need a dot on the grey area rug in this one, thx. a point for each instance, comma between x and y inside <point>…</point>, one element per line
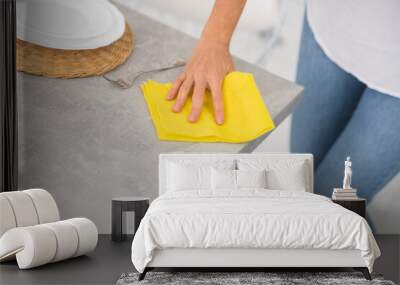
<point>273,278</point>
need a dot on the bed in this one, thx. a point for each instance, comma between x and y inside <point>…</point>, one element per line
<point>246,211</point>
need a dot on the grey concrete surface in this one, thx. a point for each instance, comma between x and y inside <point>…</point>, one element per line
<point>111,259</point>
<point>87,141</point>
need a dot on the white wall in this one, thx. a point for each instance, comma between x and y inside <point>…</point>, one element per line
<point>261,21</point>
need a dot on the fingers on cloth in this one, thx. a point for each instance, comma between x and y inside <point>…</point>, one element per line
<point>218,101</point>
<point>197,101</point>
<point>175,86</point>
<point>183,93</point>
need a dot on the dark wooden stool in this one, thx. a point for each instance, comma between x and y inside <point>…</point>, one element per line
<point>139,205</point>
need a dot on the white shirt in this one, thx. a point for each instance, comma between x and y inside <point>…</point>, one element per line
<point>362,37</point>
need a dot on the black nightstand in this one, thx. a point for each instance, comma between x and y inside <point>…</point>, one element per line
<point>357,206</point>
<point>139,205</point>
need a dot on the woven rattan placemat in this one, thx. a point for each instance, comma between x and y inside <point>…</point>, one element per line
<point>39,60</point>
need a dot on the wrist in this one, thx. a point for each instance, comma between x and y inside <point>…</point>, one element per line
<point>216,40</point>
<point>213,42</point>
<point>215,36</point>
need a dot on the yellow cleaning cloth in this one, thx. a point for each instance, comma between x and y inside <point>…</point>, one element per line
<point>246,116</point>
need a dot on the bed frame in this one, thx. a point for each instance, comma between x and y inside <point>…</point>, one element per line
<point>237,259</point>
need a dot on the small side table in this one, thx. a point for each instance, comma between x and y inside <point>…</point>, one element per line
<point>358,206</point>
<point>139,205</point>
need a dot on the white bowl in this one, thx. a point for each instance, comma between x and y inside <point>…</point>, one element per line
<point>69,24</point>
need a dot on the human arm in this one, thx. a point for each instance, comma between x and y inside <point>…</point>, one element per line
<point>210,62</point>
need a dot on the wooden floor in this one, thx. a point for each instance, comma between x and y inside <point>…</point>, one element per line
<point>110,260</point>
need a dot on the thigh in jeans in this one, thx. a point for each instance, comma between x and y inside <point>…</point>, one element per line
<point>330,97</point>
<point>372,139</point>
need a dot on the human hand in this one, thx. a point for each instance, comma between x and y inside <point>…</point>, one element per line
<point>206,69</point>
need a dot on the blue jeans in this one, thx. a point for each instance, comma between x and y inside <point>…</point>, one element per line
<point>339,116</point>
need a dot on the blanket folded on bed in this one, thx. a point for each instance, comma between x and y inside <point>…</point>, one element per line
<point>251,218</point>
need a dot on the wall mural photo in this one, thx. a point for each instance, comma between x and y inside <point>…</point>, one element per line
<point>94,79</point>
<point>151,124</point>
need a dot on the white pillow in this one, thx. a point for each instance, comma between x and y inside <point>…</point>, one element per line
<point>292,179</point>
<point>190,174</point>
<point>223,179</point>
<point>281,174</point>
<point>187,177</point>
<point>251,178</point>
<point>236,179</point>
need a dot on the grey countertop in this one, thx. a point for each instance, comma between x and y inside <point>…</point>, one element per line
<point>86,140</point>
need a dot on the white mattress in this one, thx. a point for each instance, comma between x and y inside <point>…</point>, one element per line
<point>251,219</point>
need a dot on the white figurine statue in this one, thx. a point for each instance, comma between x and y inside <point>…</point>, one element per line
<point>347,174</point>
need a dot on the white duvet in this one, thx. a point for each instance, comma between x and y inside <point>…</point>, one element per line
<point>251,218</point>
